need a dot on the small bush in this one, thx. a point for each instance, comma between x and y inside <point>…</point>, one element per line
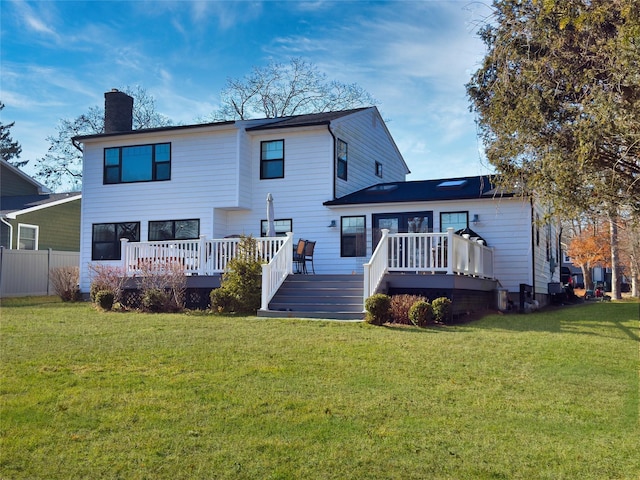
<point>378,309</point>
<point>421,313</point>
<point>156,301</point>
<point>104,299</point>
<point>107,277</point>
<point>400,305</point>
<point>441,309</point>
<point>221,301</point>
<point>65,283</point>
<point>241,287</point>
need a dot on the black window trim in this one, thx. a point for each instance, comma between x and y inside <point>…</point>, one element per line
<point>116,243</point>
<point>154,164</point>
<point>263,161</point>
<point>364,253</point>
<point>344,162</point>
<point>449,213</point>
<point>263,223</point>
<point>173,228</point>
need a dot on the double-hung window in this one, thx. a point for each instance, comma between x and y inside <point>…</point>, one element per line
<point>140,163</point>
<point>174,230</point>
<point>105,240</point>
<point>341,156</point>
<point>272,159</point>
<point>353,240</point>
<point>27,237</point>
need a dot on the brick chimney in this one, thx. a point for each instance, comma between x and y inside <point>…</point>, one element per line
<point>118,112</point>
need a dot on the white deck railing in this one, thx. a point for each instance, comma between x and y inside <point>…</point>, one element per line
<point>426,253</point>
<point>198,257</point>
<point>398,252</point>
<point>275,272</point>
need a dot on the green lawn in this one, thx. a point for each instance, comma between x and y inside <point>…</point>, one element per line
<point>96,395</point>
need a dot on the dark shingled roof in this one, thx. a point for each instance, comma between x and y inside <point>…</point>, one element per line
<point>306,120</point>
<point>22,202</point>
<point>461,188</point>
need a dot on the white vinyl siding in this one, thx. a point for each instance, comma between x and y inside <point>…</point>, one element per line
<point>368,142</point>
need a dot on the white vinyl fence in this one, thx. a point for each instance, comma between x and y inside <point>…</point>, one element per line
<point>26,272</point>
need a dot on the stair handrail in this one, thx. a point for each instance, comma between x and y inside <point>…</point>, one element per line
<point>275,272</point>
<point>377,266</point>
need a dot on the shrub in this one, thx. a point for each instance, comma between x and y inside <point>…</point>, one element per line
<point>107,277</point>
<point>156,301</point>
<point>421,313</point>
<point>441,309</point>
<point>104,299</point>
<point>162,286</point>
<point>400,305</point>
<point>65,283</point>
<point>222,300</point>
<point>378,307</point>
<point>241,287</point>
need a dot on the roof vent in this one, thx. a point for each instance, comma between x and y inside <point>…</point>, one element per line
<point>452,184</point>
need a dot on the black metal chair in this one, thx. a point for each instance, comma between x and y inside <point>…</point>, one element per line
<point>308,256</point>
<point>298,256</point>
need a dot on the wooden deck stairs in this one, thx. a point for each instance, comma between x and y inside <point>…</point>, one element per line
<point>336,297</point>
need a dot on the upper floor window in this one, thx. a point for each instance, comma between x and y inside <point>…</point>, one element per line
<point>457,220</point>
<point>105,239</point>
<point>174,230</point>
<point>140,163</point>
<point>378,169</point>
<point>272,159</point>
<point>341,156</point>
<point>27,237</point>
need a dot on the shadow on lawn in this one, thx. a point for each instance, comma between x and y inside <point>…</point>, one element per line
<point>565,319</point>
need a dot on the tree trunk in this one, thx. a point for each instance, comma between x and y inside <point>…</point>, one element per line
<point>586,276</point>
<point>615,267</point>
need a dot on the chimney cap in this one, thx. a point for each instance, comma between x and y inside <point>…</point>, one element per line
<point>115,90</point>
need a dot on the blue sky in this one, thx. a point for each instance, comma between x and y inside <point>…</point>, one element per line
<point>59,57</point>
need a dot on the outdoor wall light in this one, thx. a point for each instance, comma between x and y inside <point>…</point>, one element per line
<point>475,220</point>
<point>333,224</point>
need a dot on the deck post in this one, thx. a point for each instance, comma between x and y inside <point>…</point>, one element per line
<point>202,257</point>
<point>124,255</point>
<point>450,251</point>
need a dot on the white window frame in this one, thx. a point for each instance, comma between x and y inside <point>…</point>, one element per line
<point>37,236</point>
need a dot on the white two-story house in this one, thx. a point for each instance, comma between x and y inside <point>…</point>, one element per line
<point>336,178</point>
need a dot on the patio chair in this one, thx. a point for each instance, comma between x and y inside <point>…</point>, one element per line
<point>308,256</point>
<point>298,255</point>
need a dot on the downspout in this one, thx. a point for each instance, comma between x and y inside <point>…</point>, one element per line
<point>334,160</point>
<point>533,248</point>
<point>2,219</point>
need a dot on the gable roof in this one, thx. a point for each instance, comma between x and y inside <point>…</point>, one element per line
<point>10,207</point>
<point>11,173</point>
<point>304,120</point>
<point>461,188</point>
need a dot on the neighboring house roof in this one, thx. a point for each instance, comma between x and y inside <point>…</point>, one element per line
<point>9,170</point>
<point>10,207</point>
<point>423,191</point>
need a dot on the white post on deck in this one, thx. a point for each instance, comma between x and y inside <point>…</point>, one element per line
<point>450,251</point>
<point>124,255</point>
<point>202,257</point>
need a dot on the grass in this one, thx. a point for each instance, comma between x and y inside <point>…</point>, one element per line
<point>86,394</point>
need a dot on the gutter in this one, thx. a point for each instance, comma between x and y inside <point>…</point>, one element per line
<point>3,220</point>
